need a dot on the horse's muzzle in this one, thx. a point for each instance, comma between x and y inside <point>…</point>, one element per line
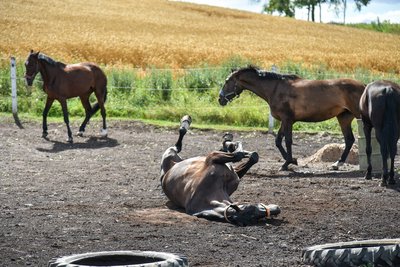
<point>222,100</point>
<point>29,80</point>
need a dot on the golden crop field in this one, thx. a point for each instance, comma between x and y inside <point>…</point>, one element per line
<point>174,34</point>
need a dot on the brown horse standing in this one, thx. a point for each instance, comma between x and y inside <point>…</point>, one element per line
<point>203,185</point>
<point>380,109</point>
<point>61,82</point>
<point>292,99</point>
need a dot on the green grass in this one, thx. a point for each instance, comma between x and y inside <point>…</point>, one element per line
<point>158,95</point>
<point>385,26</point>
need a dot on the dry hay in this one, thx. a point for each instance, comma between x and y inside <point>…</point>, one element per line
<point>332,152</point>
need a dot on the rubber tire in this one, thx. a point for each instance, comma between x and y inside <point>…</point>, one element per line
<point>124,258</point>
<point>380,252</point>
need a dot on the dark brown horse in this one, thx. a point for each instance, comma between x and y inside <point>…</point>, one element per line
<point>61,82</point>
<point>292,99</point>
<point>203,185</point>
<point>380,109</point>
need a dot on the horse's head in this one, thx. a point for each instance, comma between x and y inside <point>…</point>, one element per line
<point>31,67</point>
<point>230,90</point>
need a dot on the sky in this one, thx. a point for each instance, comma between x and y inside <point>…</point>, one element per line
<point>384,9</point>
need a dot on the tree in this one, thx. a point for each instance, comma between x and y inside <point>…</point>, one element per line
<point>339,3</point>
<point>285,7</point>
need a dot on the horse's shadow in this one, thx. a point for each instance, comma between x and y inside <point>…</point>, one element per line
<point>331,174</point>
<point>91,143</point>
<point>324,174</point>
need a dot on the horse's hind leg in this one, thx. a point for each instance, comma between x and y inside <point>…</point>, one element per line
<point>88,113</point>
<point>63,103</point>
<point>170,156</point>
<point>101,99</point>
<point>345,119</point>
<point>185,123</point>
<point>393,152</point>
<point>368,149</point>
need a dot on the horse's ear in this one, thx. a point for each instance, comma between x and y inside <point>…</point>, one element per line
<point>31,51</point>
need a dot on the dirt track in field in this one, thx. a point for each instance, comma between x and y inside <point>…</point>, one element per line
<point>58,199</point>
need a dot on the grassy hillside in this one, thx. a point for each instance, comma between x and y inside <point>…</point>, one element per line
<point>172,34</point>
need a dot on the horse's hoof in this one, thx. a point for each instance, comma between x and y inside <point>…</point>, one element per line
<point>80,133</point>
<point>294,161</point>
<point>284,168</point>
<point>383,183</point>
<point>368,177</point>
<point>44,135</point>
<point>186,121</point>
<point>103,133</point>
<point>254,157</point>
<point>70,140</point>
<point>335,166</point>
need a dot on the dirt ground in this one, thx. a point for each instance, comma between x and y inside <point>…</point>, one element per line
<point>58,199</point>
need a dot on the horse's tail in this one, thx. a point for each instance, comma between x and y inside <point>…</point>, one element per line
<point>101,86</point>
<point>390,127</point>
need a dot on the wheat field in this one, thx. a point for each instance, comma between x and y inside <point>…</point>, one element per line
<point>174,34</point>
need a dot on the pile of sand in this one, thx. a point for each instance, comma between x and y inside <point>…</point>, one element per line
<point>332,152</point>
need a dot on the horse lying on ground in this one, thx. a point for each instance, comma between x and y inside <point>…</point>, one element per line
<point>380,109</point>
<point>61,82</point>
<point>203,185</point>
<point>292,99</point>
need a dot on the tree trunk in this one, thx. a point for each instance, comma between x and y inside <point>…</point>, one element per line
<point>320,12</point>
<point>313,12</point>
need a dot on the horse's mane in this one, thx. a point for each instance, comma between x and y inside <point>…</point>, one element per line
<point>49,60</point>
<point>269,75</point>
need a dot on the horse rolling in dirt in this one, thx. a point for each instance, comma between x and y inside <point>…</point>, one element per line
<point>203,185</point>
<point>292,99</point>
<point>380,109</point>
<point>61,82</point>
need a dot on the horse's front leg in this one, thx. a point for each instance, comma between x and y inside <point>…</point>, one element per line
<point>278,142</point>
<point>287,129</point>
<point>221,157</point>
<point>49,102</point>
<point>392,181</point>
<point>244,167</point>
<point>64,107</point>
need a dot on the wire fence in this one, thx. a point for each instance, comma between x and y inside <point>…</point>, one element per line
<point>115,86</point>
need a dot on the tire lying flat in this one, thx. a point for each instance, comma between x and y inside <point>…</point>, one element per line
<point>380,252</point>
<point>121,258</point>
